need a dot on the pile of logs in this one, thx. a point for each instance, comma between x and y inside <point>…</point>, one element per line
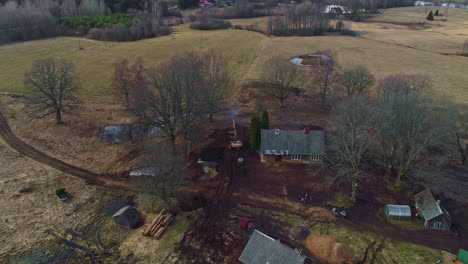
<point>157,227</point>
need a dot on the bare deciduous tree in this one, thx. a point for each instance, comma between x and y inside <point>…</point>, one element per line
<point>324,76</point>
<point>357,81</point>
<point>121,81</point>
<point>54,81</point>
<point>456,120</point>
<point>279,76</point>
<point>170,101</point>
<point>166,177</point>
<point>215,80</point>
<point>406,129</point>
<point>350,139</point>
<point>404,84</point>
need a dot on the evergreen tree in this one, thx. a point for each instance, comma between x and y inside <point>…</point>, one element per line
<point>255,133</point>
<point>436,12</point>
<point>430,17</point>
<point>265,122</point>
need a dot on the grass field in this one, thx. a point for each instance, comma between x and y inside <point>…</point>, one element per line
<point>94,62</point>
<point>449,73</point>
<point>408,27</point>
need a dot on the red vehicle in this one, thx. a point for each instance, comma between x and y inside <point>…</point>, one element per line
<point>234,141</point>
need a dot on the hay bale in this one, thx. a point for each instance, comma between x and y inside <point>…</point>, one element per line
<point>328,250</point>
<point>299,233</point>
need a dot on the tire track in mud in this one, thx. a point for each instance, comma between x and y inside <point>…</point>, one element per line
<point>105,180</point>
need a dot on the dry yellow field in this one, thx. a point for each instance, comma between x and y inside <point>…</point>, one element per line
<point>94,62</point>
<point>408,27</point>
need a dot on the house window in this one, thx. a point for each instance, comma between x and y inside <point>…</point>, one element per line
<point>295,157</point>
<point>438,224</point>
<point>315,157</point>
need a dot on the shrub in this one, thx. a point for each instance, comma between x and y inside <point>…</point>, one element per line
<point>349,32</point>
<point>430,16</point>
<point>61,192</point>
<point>210,24</point>
<point>89,22</point>
<point>436,12</point>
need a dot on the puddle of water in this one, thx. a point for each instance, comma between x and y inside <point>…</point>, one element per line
<point>298,60</point>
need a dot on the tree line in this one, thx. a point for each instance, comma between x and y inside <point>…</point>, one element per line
<point>48,18</point>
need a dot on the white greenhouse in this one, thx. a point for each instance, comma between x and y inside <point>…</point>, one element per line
<point>397,212</point>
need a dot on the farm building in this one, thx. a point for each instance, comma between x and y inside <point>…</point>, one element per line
<point>264,249</point>
<point>292,145</point>
<point>434,215</point>
<point>127,217</point>
<point>397,212</point>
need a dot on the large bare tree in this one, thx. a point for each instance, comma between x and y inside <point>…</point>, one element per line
<point>215,80</point>
<point>403,84</point>
<point>323,74</point>
<point>350,138</point>
<point>122,81</point>
<point>406,128</point>
<point>166,177</point>
<point>170,100</point>
<point>456,120</point>
<point>357,81</point>
<point>53,81</point>
<point>278,77</point>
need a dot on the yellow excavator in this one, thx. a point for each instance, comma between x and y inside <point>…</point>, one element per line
<point>234,141</point>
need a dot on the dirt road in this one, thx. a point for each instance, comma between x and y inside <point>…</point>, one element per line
<point>111,181</point>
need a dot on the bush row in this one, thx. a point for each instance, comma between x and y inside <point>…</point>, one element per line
<point>210,24</point>
<point>123,33</point>
<point>89,22</point>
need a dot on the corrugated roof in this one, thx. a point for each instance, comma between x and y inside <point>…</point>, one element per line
<point>428,206</point>
<point>292,142</point>
<point>262,249</point>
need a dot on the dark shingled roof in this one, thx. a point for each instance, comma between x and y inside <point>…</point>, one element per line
<point>262,249</point>
<point>292,142</point>
<point>428,205</point>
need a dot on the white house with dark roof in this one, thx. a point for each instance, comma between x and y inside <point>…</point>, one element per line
<point>292,145</point>
<point>435,216</point>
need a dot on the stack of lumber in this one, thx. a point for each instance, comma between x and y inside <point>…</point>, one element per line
<point>157,227</point>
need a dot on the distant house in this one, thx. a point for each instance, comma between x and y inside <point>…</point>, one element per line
<point>127,217</point>
<point>205,3</point>
<point>264,249</point>
<point>434,214</point>
<point>292,145</point>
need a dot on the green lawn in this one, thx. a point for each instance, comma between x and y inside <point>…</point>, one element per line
<point>94,62</point>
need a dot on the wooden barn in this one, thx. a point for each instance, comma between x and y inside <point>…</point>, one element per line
<point>307,146</point>
<point>433,213</point>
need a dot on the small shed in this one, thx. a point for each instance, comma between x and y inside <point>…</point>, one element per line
<point>434,214</point>
<point>397,212</point>
<point>127,217</point>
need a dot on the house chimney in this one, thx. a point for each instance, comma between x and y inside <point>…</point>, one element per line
<point>306,131</point>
